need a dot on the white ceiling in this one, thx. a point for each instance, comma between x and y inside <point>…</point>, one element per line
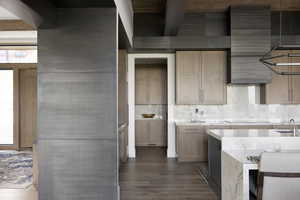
<point>6,15</point>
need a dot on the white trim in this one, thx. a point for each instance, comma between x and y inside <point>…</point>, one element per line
<point>171,101</point>
<point>125,11</point>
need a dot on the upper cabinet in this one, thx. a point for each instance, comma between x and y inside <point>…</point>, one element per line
<point>295,80</point>
<point>188,77</point>
<point>283,89</point>
<point>150,84</point>
<point>200,77</point>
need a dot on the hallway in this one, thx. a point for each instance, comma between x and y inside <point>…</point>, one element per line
<point>152,177</point>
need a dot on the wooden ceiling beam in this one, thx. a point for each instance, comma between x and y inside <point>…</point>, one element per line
<point>15,25</point>
<point>35,13</point>
<point>196,6</point>
<point>174,17</point>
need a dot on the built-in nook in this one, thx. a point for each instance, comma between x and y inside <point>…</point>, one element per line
<point>151,103</point>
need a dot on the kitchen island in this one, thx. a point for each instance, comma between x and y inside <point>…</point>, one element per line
<point>231,154</point>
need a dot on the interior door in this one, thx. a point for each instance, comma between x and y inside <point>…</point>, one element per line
<point>28,106</point>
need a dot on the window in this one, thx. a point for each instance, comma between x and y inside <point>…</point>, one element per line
<point>18,56</point>
<point>6,107</point>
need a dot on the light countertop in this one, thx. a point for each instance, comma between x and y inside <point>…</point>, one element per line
<point>242,133</point>
<point>231,123</point>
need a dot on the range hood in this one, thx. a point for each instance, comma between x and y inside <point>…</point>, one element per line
<point>250,40</point>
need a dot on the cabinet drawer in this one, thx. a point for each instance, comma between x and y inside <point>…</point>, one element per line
<point>191,129</point>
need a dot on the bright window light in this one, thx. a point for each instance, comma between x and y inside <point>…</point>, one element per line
<point>6,107</point>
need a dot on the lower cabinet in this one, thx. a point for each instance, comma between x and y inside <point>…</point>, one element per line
<point>191,143</point>
<point>123,143</point>
<point>152,132</point>
<point>252,126</point>
<point>214,164</point>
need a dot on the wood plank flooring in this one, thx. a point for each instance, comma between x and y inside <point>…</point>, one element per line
<point>19,194</point>
<point>152,177</point>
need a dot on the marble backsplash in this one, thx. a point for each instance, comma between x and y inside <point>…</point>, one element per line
<point>250,112</point>
<point>243,104</point>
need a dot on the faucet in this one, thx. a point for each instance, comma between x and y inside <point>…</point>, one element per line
<point>292,123</point>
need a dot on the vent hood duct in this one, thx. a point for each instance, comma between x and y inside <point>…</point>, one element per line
<point>250,40</point>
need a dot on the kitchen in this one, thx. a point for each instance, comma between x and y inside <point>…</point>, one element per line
<point>221,94</point>
<point>150,99</point>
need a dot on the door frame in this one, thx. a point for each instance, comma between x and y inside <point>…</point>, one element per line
<point>171,151</point>
<point>16,67</point>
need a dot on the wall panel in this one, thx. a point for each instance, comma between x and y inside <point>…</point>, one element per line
<point>77,106</point>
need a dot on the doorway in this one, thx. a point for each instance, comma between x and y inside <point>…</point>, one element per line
<point>134,61</point>
<point>151,105</point>
<point>7,107</point>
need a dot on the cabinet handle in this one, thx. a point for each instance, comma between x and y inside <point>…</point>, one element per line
<point>201,96</point>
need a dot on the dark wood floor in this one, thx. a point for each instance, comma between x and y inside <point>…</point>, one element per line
<point>152,177</point>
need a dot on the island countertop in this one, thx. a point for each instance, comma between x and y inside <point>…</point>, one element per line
<point>242,133</point>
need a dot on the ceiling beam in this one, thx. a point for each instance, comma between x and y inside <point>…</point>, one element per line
<point>174,16</point>
<point>182,43</point>
<point>125,11</point>
<point>36,13</point>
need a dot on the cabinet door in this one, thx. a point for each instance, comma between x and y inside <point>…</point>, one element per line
<point>28,106</point>
<point>278,91</point>
<point>141,132</point>
<point>157,87</point>
<point>123,144</point>
<point>213,77</point>
<point>141,84</point>
<point>295,80</point>
<point>192,144</point>
<point>158,133</point>
<point>188,80</point>
<point>122,87</point>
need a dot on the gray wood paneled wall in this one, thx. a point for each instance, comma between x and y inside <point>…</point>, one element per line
<point>77,106</point>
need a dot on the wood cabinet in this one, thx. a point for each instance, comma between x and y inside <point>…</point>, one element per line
<point>295,80</point>
<point>252,126</point>
<point>150,133</point>
<point>150,84</point>
<point>188,77</point>
<point>213,77</point>
<point>28,106</point>
<point>122,87</point>
<point>215,164</point>
<point>200,77</point>
<point>283,89</point>
<point>123,143</point>
<point>191,143</point>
